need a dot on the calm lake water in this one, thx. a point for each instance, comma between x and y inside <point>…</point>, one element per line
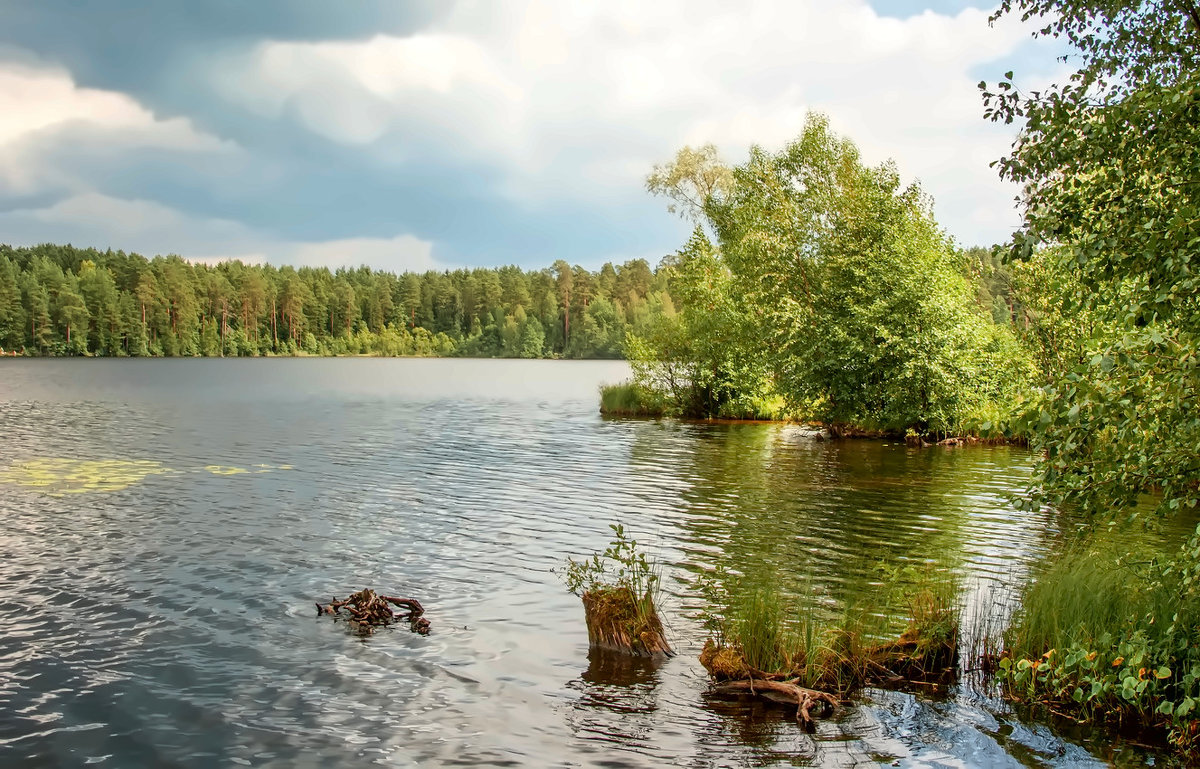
<point>168,525</point>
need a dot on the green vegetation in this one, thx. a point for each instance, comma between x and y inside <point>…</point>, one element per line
<point>1110,167</point>
<point>819,287</point>
<point>817,280</point>
<point>1109,634</point>
<point>755,632</point>
<point>61,300</point>
<point>629,399</point>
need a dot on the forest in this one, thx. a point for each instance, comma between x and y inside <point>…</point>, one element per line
<point>63,300</point>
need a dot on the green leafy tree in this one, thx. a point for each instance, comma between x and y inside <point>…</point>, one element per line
<point>864,309</point>
<point>1110,166</point>
<point>708,357</point>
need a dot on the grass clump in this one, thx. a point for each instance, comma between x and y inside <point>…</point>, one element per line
<point>1110,637</point>
<point>755,632</point>
<point>618,588</point>
<point>629,399</point>
<point>636,399</point>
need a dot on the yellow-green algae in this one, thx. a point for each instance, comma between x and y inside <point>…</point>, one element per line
<point>58,476</point>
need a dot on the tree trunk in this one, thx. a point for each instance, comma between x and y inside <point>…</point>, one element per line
<point>618,622</point>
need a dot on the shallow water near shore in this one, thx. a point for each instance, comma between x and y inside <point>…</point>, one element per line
<point>170,523</point>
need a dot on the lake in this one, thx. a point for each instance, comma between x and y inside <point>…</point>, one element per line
<point>170,523</point>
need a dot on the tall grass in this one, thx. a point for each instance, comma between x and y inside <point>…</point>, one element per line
<point>1110,630</point>
<point>1096,593</point>
<point>757,631</point>
<point>629,399</point>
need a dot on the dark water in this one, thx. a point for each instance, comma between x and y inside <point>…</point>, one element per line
<point>157,587</point>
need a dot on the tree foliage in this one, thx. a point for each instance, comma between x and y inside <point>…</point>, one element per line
<point>61,300</point>
<point>1110,167</point>
<point>831,285</point>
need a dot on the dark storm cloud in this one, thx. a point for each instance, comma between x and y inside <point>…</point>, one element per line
<point>497,132</point>
<point>285,181</point>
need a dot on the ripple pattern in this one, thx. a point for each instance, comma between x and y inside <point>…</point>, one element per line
<point>169,622</point>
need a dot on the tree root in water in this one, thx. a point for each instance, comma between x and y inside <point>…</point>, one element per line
<point>366,611</point>
<point>898,664</point>
<point>786,693</point>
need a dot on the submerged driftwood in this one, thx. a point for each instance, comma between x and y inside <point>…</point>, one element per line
<point>785,693</point>
<point>366,611</point>
<point>617,621</point>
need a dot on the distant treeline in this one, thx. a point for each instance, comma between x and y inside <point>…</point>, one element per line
<point>62,300</point>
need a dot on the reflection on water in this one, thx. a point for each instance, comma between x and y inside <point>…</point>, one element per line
<point>169,622</point>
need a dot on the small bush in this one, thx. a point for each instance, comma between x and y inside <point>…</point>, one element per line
<point>619,588</point>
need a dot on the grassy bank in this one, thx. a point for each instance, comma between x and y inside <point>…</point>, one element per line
<point>1110,632</point>
<point>631,400</point>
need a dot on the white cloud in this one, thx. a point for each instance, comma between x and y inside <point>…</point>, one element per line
<point>401,253</point>
<point>151,228</point>
<point>43,109</point>
<point>581,99</point>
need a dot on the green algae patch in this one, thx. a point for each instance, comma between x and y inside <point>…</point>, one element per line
<point>59,476</point>
<point>225,470</point>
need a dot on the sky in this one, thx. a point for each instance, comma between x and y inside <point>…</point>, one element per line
<point>438,135</point>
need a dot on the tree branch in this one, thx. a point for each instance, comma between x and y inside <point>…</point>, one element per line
<point>1189,8</point>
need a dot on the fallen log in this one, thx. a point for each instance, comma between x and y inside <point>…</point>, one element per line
<point>366,611</point>
<point>784,692</point>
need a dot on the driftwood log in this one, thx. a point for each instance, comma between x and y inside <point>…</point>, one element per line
<point>366,611</point>
<point>786,693</point>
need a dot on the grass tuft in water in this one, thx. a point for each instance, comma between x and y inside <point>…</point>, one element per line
<point>629,399</point>
<point>755,632</point>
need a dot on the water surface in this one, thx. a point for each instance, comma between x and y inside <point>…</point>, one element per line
<point>161,613</point>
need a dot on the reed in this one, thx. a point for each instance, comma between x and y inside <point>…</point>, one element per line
<point>758,633</point>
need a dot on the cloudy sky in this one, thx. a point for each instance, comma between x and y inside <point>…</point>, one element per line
<point>443,134</point>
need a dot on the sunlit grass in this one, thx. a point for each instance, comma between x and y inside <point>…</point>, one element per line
<point>628,399</point>
<point>758,631</point>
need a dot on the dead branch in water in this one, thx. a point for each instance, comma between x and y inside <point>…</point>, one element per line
<point>368,611</point>
<point>784,692</point>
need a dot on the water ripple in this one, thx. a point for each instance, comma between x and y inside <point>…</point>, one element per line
<point>171,622</point>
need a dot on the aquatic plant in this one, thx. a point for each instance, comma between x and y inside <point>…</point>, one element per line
<point>757,633</point>
<point>57,476</point>
<point>618,588</point>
